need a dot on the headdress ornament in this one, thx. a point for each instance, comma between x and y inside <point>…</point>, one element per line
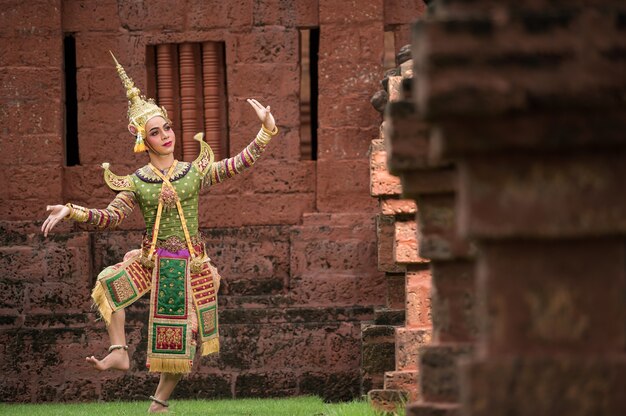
<point>140,109</point>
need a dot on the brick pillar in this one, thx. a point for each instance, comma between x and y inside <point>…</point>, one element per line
<point>433,184</point>
<point>399,257</point>
<point>526,104</point>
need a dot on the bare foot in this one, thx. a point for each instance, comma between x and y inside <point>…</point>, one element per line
<point>116,360</point>
<point>157,408</point>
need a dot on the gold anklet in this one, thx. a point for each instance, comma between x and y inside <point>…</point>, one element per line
<point>118,347</point>
<point>161,402</point>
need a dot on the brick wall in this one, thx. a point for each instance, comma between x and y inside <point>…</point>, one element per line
<point>525,124</point>
<point>295,239</point>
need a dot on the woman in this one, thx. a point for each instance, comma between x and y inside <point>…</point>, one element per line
<point>172,264</point>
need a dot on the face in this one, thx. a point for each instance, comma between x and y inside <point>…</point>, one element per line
<point>160,136</point>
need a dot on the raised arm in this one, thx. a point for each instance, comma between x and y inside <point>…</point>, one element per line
<point>109,217</point>
<point>229,167</point>
<point>216,172</point>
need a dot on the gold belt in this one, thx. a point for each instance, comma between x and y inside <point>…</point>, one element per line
<point>175,243</point>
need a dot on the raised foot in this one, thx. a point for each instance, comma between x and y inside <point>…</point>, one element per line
<point>116,360</point>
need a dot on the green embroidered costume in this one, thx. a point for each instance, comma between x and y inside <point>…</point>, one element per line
<point>172,264</point>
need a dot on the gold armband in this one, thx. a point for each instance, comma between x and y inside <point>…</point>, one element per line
<point>77,213</point>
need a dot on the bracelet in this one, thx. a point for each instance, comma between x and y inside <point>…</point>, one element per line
<point>268,131</point>
<point>77,213</point>
<point>118,347</point>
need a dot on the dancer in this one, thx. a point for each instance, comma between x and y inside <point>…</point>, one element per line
<point>172,263</point>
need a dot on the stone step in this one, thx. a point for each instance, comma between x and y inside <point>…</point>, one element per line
<point>389,401</point>
<point>439,371</point>
<point>377,354</point>
<point>407,381</point>
<point>386,316</point>
<point>433,409</point>
<point>408,344</point>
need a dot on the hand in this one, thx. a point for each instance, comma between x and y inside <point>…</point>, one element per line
<point>58,212</point>
<point>264,114</point>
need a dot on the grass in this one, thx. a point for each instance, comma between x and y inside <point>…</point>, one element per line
<point>295,406</point>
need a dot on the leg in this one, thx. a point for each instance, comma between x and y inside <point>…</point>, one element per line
<point>166,386</point>
<point>117,359</point>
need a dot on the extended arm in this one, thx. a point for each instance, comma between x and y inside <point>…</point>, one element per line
<point>109,217</point>
<point>227,168</point>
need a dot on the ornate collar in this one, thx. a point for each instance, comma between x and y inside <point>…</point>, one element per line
<point>147,175</point>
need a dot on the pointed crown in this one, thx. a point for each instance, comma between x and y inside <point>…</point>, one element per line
<point>140,109</point>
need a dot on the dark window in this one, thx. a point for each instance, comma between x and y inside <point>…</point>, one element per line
<point>309,49</point>
<point>71,101</point>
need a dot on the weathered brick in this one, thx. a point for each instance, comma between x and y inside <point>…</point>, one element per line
<point>345,142</point>
<point>231,14</point>
<point>385,233</point>
<point>342,183</point>
<point>408,344</point>
<point>350,11</point>
<point>596,381</point>
<point>401,12</point>
<point>382,183</point>
<point>542,296</point>
<point>405,248</point>
<point>439,374</point>
<point>418,298</point>
<point>84,15</point>
<point>454,301</point>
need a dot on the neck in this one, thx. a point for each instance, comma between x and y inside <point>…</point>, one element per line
<point>161,162</point>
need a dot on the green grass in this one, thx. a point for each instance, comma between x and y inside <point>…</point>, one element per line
<point>296,406</point>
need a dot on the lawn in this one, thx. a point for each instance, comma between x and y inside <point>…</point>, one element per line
<point>296,406</point>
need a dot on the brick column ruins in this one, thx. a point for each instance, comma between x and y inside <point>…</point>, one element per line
<point>526,104</point>
<point>408,285</point>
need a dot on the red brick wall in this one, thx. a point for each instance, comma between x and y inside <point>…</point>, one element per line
<point>294,239</point>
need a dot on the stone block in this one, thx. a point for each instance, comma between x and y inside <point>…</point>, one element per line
<point>435,181</point>
<point>231,14</point>
<point>396,290</point>
<point>274,176</point>
<point>254,384</point>
<point>344,142</point>
<point>33,50</point>
<point>357,43</point>
<point>433,409</point>
<point>522,209</point>
<point>135,17</point>
<point>454,301</point>
<point>265,45</point>
<point>407,381</point>
<point>418,298</point>
<point>39,18</point>
<point>387,401</point>
<point>382,183</point>
<point>405,248</point>
<point>438,237</point>
<point>334,387</point>
<point>350,11</point>
<point>352,109</point>
<point>439,375</point>
<point>543,296</point>
<point>399,12</point>
<point>298,13</point>
<point>528,385</point>
<point>345,78</point>
<point>398,207</point>
<point>385,233</point>
<point>25,83</point>
<point>407,138</point>
<point>84,15</point>
<point>408,344</point>
<point>342,183</point>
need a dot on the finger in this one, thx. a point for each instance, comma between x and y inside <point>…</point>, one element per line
<point>48,207</point>
<point>258,104</point>
<point>255,104</point>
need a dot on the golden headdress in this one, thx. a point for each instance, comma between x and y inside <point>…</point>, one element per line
<point>140,109</point>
